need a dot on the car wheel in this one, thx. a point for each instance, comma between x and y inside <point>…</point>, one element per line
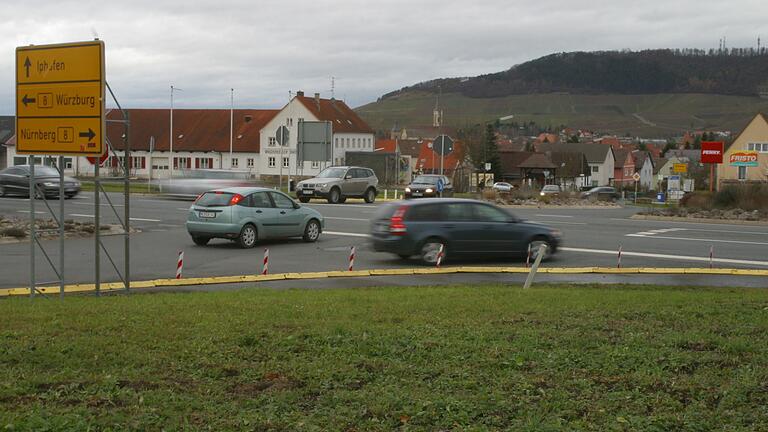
<point>430,249</point>
<point>200,240</point>
<point>370,196</point>
<point>247,237</point>
<point>69,196</point>
<point>312,231</point>
<point>535,244</point>
<point>342,200</point>
<point>334,196</point>
<point>303,199</point>
<point>38,194</point>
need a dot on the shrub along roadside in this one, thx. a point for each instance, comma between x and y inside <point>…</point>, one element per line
<point>485,357</point>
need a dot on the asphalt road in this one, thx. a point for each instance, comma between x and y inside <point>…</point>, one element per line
<point>591,238</point>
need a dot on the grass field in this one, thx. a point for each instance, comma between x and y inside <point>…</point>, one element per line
<point>654,115</point>
<point>119,187</point>
<point>604,358</point>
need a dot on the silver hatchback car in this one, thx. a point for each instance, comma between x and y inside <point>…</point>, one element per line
<point>248,214</point>
<point>338,183</point>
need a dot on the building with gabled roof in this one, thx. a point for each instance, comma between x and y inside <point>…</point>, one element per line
<point>751,143</point>
<point>600,157</point>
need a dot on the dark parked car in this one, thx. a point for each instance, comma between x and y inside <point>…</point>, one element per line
<point>463,227</point>
<point>426,185</point>
<point>15,181</point>
<point>601,192</point>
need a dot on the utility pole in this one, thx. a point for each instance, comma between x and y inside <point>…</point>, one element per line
<point>231,123</point>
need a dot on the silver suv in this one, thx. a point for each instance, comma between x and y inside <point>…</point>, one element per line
<point>338,183</point>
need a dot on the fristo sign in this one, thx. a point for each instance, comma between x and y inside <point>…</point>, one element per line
<point>745,158</point>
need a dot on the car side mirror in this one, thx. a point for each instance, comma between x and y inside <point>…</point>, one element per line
<point>296,205</point>
<point>347,177</point>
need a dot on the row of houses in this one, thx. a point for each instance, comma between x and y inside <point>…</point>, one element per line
<point>203,139</point>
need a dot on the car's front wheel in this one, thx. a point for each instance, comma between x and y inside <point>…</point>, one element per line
<point>304,199</point>
<point>247,237</point>
<point>312,231</point>
<point>535,245</point>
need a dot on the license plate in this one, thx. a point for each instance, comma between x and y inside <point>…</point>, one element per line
<point>204,214</point>
<point>307,192</point>
<point>417,194</point>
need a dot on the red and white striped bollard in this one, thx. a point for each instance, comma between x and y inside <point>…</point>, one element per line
<point>351,258</point>
<point>265,269</point>
<point>179,264</point>
<point>618,265</point>
<point>528,257</point>
<point>711,255</point>
<point>440,255</point>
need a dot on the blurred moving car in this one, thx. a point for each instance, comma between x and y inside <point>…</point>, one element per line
<point>190,184</point>
<point>550,190</point>
<point>601,193</point>
<point>246,215</point>
<point>338,183</point>
<point>462,227</point>
<point>502,187</point>
<point>15,181</point>
<point>426,185</point>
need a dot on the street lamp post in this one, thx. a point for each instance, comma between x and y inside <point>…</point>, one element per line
<point>231,123</point>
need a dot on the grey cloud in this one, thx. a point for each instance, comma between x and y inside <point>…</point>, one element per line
<point>266,48</point>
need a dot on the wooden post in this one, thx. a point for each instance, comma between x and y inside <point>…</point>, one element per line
<point>711,177</point>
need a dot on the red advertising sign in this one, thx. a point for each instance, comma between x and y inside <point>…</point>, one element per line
<point>712,152</point>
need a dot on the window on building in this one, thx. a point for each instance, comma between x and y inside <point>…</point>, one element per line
<point>159,163</point>
<point>68,163</point>
<point>272,141</point>
<point>249,162</point>
<point>271,161</point>
<point>742,173</point>
<point>315,164</point>
<point>595,169</point>
<point>758,147</point>
<point>204,163</point>
<point>347,142</point>
<point>19,160</point>
<point>301,119</point>
<point>336,143</point>
<point>286,162</point>
<point>235,162</point>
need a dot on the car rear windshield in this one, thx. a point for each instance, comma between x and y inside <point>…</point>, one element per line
<point>214,199</point>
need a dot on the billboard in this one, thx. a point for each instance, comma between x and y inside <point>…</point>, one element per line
<point>746,158</point>
<point>712,152</point>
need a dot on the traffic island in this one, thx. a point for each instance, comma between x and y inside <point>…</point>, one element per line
<point>15,230</point>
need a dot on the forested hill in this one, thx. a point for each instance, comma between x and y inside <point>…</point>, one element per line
<point>742,72</point>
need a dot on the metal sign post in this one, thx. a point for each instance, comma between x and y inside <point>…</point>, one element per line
<point>282,136</point>
<point>445,145</point>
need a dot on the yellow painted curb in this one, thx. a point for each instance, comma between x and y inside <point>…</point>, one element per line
<point>571,270</point>
<point>115,286</point>
<point>353,273</point>
<point>391,272</point>
<point>308,275</point>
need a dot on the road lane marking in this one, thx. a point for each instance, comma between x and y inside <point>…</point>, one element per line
<point>347,219</point>
<point>103,204</point>
<point>27,211</point>
<point>133,218</point>
<point>561,222</point>
<point>688,223</point>
<point>343,205</point>
<point>664,256</point>
<point>707,240</point>
<point>345,234</point>
<point>557,216</point>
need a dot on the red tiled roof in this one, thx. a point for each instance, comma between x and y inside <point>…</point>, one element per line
<point>344,119</point>
<point>198,130</point>
<point>538,160</point>
<point>386,146</point>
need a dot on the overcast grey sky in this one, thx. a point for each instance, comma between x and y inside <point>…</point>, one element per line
<point>264,48</point>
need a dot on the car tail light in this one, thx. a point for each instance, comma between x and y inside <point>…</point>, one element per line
<point>396,225</point>
<point>236,198</point>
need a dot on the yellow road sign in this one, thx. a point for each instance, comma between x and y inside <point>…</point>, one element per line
<point>60,98</point>
<point>680,168</point>
<point>59,135</point>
